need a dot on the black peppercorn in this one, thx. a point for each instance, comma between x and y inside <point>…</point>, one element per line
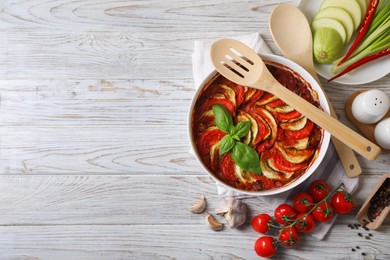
<point>379,201</point>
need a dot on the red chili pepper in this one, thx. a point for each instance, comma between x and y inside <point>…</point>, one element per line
<point>363,28</point>
<point>362,61</point>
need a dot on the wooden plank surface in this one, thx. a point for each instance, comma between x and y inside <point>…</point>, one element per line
<point>48,218</point>
<point>119,199</point>
<point>94,153</point>
<point>172,242</point>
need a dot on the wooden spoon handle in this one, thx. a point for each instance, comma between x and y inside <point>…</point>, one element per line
<point>357,142</point>
<point>347,156</point>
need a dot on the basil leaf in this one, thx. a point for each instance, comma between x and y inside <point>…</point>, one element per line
<point>240,130</point>
<point>222,117</point>
<point>227,143</point>
<point>246,157</point>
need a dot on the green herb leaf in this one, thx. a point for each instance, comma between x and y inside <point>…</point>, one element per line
<point>246,157</point>
<point>223,118</point>
<point>227,143</point>
<point>240,130</point>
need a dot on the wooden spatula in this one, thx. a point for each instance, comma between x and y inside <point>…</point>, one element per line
<point>292,34</point>
<point>240,64</point>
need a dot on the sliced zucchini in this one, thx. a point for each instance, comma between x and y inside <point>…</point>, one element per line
<point>294,125</point>
<point>229,93</point>
<point>341,15</point>
<point>330,23</point>
<point>352,6</point>
<point>293,155</point>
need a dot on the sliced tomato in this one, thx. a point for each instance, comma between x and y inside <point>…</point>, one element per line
<point>266,98</point>
<point>264,146</point>
<point>227,168</point>
<point>252,95</point>
<point>263,129</point>
<point>270,120</point>
<point>209,103</point>
<point>205,142</point>
<point>276,103</point>
<point>282,164</point>
<point>240,94</point>
<point>293,155</point>
<point>304,132</point>
<point>283,117</point>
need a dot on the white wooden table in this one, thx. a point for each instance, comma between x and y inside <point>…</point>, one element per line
<point>94,155</point>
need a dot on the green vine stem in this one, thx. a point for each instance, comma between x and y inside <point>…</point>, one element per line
<point>294,221</point>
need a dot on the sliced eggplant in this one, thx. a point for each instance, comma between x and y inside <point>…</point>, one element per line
<point>214,150</point>
<point>280,109</point>
<point>293,155</point>
<point>299,144</point>
<point>277,162</point>
<point>206,120</point>
<point>243,175</point>
<point>270,120</point>
<point>263,129</point>
<point>244,116</point>
<point>265,99</point>
<point>268,172</point>
<point>294,125</point>
<point>275,168</point>
<point>284,117</point>
<point>229,93</point>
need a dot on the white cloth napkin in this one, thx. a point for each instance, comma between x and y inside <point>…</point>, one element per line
<point>330,168</point>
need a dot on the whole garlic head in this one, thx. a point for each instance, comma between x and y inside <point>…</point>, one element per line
<point>233,210</point>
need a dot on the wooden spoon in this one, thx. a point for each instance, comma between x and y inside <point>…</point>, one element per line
<point>240,64</point>
<point>291,33</point>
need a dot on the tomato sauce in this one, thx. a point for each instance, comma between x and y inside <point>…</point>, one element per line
<point>285,153</point>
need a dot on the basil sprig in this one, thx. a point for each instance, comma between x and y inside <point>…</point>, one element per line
<point>243,155</point>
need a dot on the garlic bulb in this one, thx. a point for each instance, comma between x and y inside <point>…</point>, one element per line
<point>233,210</point>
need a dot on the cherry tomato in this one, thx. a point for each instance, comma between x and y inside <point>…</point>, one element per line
<point>319,189</point>
<point>305,224</point>
<point>260,223</point>
<point>342,202</point>
<point>288,237</point>
<point>265,246</point>
<point>303,202</point>
<point>284,213</point>
<point>323,212</point>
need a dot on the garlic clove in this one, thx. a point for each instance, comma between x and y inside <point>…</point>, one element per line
<point>198,207</point>
<point>213,223</point>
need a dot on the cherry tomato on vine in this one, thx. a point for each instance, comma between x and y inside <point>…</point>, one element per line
<point>306,224</point>
<point>288,237</point>
<point>323,212</point>
<point>261,222</point>
<point>265,246</point>
<point>319,189</point>
<point>303,202</point>
<point>284,213</point>
<point>342,202</point>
